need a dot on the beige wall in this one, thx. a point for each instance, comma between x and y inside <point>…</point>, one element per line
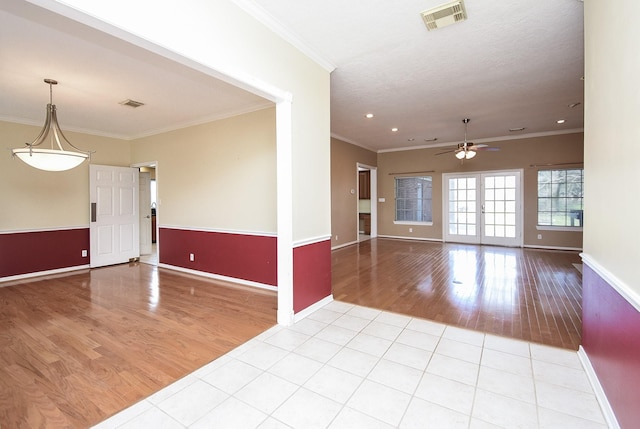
<point>344,178</point>
<point>513,154</point>
<point>220,175</point>
<point>223,38</point>
<point>35,199</point>
<point>612,137</point>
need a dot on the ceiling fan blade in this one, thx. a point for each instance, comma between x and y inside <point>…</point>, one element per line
<point>447,151</point>
<point>489,149</point>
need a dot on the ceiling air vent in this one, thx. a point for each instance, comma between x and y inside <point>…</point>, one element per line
<point>444,15</point>
<point>131,103</point>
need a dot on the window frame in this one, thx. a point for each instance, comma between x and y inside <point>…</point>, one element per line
<point>565,200</point>
<point>427,178</point>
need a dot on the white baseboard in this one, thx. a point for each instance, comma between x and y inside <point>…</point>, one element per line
<point>399,237</point>
<point>219,277</point>
<point>43,273</point>
<point>307,311</point>
<point>344,245</point>
<point>607,411</point>
<point>573,249</point>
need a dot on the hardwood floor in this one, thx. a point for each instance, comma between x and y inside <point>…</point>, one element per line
<point>77,348</point>
<point>534,295</point>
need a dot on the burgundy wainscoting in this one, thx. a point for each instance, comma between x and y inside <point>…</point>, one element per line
<point>611,339</point>
<point>239,256</point>
<point>311,274</point>
<point>39,251</point>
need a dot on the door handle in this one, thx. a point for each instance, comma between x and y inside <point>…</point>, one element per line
<point>94,209</point>
<point>148,217</point>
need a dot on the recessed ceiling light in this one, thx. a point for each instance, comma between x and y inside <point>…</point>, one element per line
<point>572,105</point>
<point>560,121</point>
<point>513,130</point>
<point>394,129</point>
<point>369,115</point>
<point>410,140</point>
<point>432,139</point>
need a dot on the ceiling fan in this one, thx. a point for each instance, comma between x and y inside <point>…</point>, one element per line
<point>466,149</point>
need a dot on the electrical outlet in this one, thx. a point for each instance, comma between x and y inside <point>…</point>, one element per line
<point>84,253</point>
<point>539,236</point>
<point>192,257</point>
<point>410,229</point>
<point>336,237</point>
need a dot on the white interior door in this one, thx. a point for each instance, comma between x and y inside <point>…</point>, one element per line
<point>145,212</point>
<point>114,226</point>
<point>483,208</point>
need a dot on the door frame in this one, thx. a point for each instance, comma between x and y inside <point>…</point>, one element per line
<point>155,165</point>
<point>373,190</point>
<point>480,201</point>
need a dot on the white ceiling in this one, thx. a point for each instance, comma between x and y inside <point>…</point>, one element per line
<point>511,64</point>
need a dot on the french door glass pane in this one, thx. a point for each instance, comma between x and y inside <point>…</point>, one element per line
<point>500,206</point>
<point>462,206</point>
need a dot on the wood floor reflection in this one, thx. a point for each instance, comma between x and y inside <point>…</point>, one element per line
<point>534,295</point>
<point>77,348</point>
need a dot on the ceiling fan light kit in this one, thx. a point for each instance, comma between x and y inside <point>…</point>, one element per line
<point>54,159</point>
<point>466,149</point>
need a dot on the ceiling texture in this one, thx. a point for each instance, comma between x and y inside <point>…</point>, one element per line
<point>510,65</point>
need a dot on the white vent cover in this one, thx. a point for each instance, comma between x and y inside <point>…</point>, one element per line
<point>132,103</point>
<point>444,15</point>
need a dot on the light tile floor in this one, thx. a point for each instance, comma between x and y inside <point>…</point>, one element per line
<point>346,366</point>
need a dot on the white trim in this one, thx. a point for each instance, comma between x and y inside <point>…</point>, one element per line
<point>373,191</point>
<point>312,240</point>
<point>153,132</point>
<point>533,246</point>
<point>345,140</point>
<point>621,287</point>
<point>399,237</point>
<point>487,140</point>
<point>605,406</point>
<point>407,222</point>
<point>222,231</point>
<point>344,245</point>
<point>284,210</point>
<point>43,273</point>
<point>220,277</point>
<point>49,229</point>
<point>559,228</point>
<point>262,16</point>
<point>220,71</point>
<point>313,307</point>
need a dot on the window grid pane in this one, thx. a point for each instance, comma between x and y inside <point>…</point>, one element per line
<point>462,206</point>
<point>560,197</point>
<point>413,199</point>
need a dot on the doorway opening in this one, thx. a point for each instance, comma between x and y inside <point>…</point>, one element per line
<point>149,212</point>
<point>367,223</point>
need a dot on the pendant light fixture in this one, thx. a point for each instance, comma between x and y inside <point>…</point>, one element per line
<point>53,159</point>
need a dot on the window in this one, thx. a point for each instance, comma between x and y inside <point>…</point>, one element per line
<point>560,200</point>
<point>413,199</point>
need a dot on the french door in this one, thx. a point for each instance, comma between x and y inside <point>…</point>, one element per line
<point>483,208</point>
